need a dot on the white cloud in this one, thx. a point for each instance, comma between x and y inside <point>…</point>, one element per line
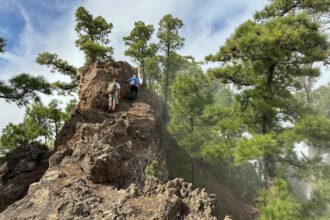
<point>197,16</point>
<point>59,39</point>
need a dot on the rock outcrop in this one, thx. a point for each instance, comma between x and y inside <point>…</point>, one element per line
<point>67,194</point>
<point>24,165</point>
<point>97,168</point>
<point>111,148</point>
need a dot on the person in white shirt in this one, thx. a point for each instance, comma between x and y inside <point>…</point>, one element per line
<point>114,94</point>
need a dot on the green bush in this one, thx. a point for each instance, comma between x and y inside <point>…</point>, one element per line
<point>279,203</point>
<point>152,170</point>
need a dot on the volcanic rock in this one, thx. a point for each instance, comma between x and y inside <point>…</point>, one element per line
<point>97,170</point>
<point>24,165</point>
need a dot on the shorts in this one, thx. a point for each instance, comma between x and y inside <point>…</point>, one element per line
<point>113,97</point>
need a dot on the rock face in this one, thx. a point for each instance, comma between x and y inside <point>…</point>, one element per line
<point>97,168</point>
<point>111,148</point>
<point>67,194</point>
<point>94,81</point>
<point>24,165</point>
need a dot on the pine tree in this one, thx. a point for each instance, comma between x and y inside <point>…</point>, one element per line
<point>264,59</point>
<point>279,8</point>
<point>15,135</point>
<point>321,100</point>
<point>191,93</point>
<point>58,65</point>
<point>279,204</point>
<point>2,45</point>
<point>313,130</point>
<point>40,121</point>
<point>154,73</point>
<point>139,49</point>
<point>169,42</point>
<point>24,88</point>
<point>93,37</point>
<point>92,40</point>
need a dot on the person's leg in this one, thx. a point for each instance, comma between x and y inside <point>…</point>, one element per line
<point>134,92</point>
<point>110,102</point>
<point>113,102</point>
<point>117,98</point>
<point>131,92</point>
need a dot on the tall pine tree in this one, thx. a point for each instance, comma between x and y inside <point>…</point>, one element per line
<point>93,37</point>
<point>169,42</point>
<point>139,49</point>
<point>264,59</point>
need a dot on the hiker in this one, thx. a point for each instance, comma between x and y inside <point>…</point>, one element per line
<point>134,86</point>
<point>114,94</point>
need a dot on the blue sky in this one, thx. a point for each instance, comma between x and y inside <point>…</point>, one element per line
<point>41,13</point>
<point>34,26</point>
<point>18,17</point>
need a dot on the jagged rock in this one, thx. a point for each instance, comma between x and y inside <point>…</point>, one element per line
<point>64,193</point>
<point>97,169</point>
<point>180,199</point>
<point>111,148</point>
<point>24,165</point>
<point>94,81</point>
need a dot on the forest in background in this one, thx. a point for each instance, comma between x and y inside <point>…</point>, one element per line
<point>243,120</point>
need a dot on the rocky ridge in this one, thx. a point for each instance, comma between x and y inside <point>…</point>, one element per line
<point>97,167</point>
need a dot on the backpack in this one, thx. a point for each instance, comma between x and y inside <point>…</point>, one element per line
<point>112,88</point>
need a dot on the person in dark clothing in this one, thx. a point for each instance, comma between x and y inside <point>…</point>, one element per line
<point>134,86</point>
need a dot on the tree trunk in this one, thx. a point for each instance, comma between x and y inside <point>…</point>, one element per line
<point>313,152</point>
<point>192,171</point>
<point>150,83</point>
<point>307,84</point>
<point>144,77</point>
<point>270,167</point>
<point>56,129</point>
<point>191,121</point>
<point>167,74</point>
<point>267,126</point>
<point>269,160</point>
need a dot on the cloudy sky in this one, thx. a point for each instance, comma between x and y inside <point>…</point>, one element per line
<point>34,26</point>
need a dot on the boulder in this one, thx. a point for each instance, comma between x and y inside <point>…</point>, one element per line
<point>24,165</point>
